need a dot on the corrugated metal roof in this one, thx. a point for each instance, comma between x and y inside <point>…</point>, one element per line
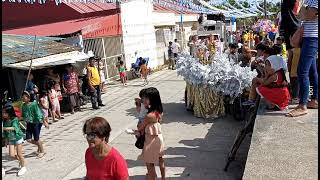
<point>59,28</point>
<point>19,48</point>
<point>159,8</point>
<point>91,7</point>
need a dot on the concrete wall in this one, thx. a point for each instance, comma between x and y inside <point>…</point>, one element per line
<point>138,32</point>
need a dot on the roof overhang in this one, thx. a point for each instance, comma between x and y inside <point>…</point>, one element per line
<point>109,25</point>
<point>53,60</point>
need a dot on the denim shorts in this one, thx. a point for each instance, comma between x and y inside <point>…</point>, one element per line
<point>33,129</point>
<point>14,142</point>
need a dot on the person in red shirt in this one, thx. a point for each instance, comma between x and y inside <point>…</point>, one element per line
<point>103,162</point>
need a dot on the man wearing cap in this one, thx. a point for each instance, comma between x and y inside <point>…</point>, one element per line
<point>94,83</point>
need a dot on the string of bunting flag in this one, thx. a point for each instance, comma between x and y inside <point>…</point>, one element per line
<point>180,6</point>
<point>183,6</point>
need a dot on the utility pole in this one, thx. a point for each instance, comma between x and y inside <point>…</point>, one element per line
<point>265,8</point>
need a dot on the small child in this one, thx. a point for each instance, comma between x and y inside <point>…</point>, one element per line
<point>55,104</point>
<point>32,114</point>
<point>273,87</point>
<point>44,106</point>
<point>122,73</point>
<point>144,72</point>
<point>14,136</point>
<point>280,41</point>
<point>277,51</point>
<point>140,107</point>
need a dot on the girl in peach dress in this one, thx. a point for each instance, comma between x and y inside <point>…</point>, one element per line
<point>153,149</point>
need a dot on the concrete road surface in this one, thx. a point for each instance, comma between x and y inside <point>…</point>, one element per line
<point>196,149</point>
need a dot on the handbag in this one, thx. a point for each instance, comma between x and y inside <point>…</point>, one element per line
<point>296,39</point>
<point>140,141</point>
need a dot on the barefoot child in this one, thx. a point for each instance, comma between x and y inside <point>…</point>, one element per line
<point>144,72</point>
<point>32,114</point>
<point>44,106</point>
<point>54,101</point>
<point>14,135</point>
<point>122,73</point>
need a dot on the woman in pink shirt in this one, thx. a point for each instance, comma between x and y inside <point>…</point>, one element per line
<point>103,162</point>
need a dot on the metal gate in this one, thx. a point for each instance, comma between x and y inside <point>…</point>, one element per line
<point>109,49</point>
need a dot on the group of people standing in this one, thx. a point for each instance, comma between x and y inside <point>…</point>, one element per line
<point>41,102</point>
<point>302,59</point>
<point>204,50</point>
<point>173,50</point>
<point>273,61</point>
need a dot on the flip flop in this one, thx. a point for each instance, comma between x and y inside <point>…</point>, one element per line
<point>315,106</point>
<point>40,155</point>
<point>296,113</point>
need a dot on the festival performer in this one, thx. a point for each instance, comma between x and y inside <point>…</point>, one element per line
<point>202,54</point>
<point>194,44</point>
<point>211,47</point>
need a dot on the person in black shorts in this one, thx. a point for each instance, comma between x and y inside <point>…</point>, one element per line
<point>289,23</point>
<point>32,114</point>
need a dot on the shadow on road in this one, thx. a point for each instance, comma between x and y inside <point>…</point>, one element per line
<point>203,158</point>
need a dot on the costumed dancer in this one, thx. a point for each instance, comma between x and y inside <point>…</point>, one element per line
<point>211,47</point>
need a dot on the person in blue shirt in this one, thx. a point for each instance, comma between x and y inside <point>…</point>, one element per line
<point>31,88</point>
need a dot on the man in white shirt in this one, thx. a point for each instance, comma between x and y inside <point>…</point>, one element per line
<point>175,48</point>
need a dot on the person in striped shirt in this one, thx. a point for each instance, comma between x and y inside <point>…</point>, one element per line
<point>307,67</point>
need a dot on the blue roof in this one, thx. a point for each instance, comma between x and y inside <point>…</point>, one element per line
<point>19,48</point>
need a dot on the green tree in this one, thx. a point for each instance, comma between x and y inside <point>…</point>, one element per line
<point>232,2</point>
<point>245,4</point>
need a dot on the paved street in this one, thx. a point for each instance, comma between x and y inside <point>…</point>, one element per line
<point>195,148</point>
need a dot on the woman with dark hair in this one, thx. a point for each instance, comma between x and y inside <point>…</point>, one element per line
<point>153,149</point>
<point>102,160</point>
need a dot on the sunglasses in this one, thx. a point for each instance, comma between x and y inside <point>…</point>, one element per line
<point>91,135</point>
